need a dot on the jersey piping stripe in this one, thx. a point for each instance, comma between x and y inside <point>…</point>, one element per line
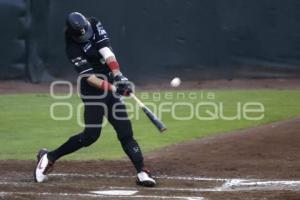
<point>86,70</point>
<point>102,40</point>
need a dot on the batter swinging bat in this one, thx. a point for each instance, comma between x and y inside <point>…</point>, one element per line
<point>159,125</point>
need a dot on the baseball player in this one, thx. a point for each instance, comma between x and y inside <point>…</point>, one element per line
<point>88,48</point>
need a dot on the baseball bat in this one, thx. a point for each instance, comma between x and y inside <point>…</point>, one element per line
<point>159,125</point>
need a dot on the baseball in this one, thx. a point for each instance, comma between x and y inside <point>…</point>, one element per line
<point>175,82</point>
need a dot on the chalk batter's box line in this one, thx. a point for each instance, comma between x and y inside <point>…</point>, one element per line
<point>103,196</point>
<point>228,185</point>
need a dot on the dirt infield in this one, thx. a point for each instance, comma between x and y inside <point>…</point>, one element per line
<point>257,163</point>
<point>17,87</point>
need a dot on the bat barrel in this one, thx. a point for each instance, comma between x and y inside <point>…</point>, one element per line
<point>159,125</point>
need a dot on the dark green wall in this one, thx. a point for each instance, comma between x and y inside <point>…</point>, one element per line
<point>14,29</point>
<point>157,39</point>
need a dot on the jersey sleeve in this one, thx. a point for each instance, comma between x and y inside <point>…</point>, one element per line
<point>80,63</point>
<point>102,39</point>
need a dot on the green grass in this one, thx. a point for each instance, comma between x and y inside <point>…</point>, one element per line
<point>26,125</point>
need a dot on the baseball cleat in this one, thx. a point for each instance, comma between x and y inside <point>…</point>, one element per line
<point>44,166</point>
<point>145,179</point>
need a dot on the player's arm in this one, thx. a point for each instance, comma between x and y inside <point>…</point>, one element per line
<point>103,44</point>
<point>121,82</point>
<point>96,82</point>
<point>110,60</point>
<point>104,47</point>
<point>93,80</point>
<point>84,68</point>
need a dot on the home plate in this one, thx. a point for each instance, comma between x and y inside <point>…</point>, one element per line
<point>115,192</point>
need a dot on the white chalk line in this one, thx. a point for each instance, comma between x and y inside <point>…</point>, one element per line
<point>230,184</point>
<point>227,185</point>
<point>103,196</point>
<point>250,185</point>
<point>187,178</point>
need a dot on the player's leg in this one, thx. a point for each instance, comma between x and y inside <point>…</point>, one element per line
<point>118,118</point>
<point>93,116</point>
<point>123,128</point>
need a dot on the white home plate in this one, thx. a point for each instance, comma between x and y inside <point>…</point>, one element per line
<point>115,192</point>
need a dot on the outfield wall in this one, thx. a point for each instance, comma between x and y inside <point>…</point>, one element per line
<point>158,39</point>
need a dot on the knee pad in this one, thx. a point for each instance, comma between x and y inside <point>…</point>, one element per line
<point>89,136</point>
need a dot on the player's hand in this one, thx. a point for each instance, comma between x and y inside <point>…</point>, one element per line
<point>120,79</point>
<point>124,91</point>
<point>124,87</point>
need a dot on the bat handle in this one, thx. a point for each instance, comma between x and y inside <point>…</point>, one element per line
<point>141,104</point>
<point>132,95</point>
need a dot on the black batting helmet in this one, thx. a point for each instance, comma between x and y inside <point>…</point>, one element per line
<point>79,27</point>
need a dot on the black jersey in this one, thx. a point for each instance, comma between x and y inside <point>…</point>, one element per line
<point>85,57</point>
